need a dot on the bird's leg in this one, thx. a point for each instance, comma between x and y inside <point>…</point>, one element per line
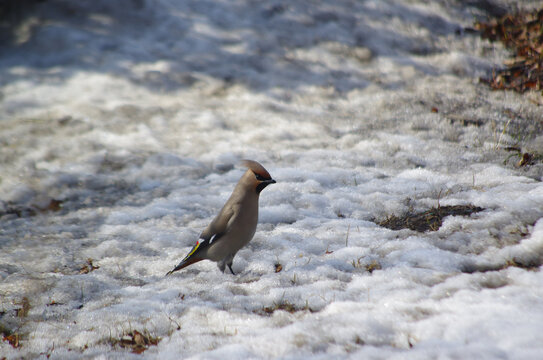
<point>221,264</point>
<point>228,262</point>
<point>230,267</point>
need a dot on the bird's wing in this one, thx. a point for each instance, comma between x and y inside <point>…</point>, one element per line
<point>214,232</point>
<point>218,227</point>
<point>203,242</point>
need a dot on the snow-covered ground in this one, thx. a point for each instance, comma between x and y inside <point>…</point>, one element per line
<point>121,124</point>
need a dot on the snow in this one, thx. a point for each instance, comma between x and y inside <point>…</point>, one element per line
<point>135,114</point>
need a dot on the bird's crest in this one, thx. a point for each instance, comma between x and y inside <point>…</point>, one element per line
<point>256,168</point>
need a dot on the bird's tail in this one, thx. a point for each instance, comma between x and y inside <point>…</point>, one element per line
<point>190,259</point>
<point>184,264</point>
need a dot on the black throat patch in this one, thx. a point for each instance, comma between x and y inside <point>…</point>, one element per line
<point>261,187</point>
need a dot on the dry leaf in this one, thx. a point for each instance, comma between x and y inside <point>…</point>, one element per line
<point>88,267</point>
<point>13,340</point>
<point>525,160</point>
<point>522,33</point>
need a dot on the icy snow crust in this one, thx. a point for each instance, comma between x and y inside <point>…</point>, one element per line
<point>134,114</point>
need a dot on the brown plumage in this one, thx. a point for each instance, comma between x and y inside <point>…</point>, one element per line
<point>235,224</point>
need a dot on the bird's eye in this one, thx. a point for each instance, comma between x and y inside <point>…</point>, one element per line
<point>259,177</point>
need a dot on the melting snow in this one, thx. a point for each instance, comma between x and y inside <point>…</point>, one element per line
<point>120,127</point>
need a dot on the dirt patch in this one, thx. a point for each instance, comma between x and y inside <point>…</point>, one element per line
<point>427,220</point>
<point>136,341</point>
<point>283,306</point>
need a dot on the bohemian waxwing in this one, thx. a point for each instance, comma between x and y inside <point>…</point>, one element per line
<point>235,224</point>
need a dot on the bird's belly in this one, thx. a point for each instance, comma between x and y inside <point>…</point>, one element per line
<point>228,245</point>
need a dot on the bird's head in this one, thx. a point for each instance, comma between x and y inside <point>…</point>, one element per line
<point>260,176</point>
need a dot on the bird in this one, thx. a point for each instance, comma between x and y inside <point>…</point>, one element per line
<point>235,225</point>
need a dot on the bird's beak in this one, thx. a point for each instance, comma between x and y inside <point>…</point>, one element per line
<point>263,184</point>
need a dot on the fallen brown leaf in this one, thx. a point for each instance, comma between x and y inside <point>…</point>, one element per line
<point>521,33</point>
<point>13,340</point>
